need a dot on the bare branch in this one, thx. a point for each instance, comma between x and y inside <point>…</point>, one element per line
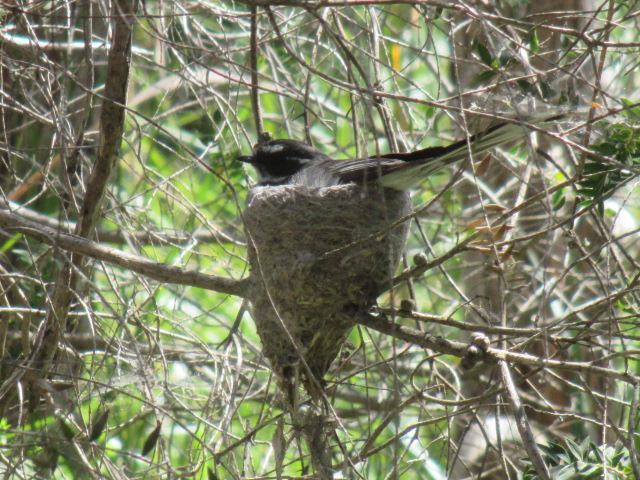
<point>156,270</point>
<point>526,433</point>
<point>461,350</point>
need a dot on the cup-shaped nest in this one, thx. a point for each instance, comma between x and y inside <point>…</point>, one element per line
<point>318,256</point>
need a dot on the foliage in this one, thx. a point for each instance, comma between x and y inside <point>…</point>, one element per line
<point>622,145</point>
<point>536,245</point>
<point>584,460</point>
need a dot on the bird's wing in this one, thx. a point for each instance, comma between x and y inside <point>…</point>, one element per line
<point>407,170</point>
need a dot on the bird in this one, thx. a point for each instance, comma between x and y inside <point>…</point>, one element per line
<point>290,162</point>
<point>326,236</point>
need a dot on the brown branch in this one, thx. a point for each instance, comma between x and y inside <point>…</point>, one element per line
<point>411,335</point>
<point>422,267</point>
<point>156,270</point>
<point>121,236</point>
<point>111,129</point>
<point>633,422</point>
<point>522,423</point>
<point>255,92</point>
<point>491,355</point>
<point>87,342</point>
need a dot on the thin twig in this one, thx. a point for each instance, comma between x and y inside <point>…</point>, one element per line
<point>255,91</point>
<point>524,428</point>
<point>493,355</point>
<point>155,270</point>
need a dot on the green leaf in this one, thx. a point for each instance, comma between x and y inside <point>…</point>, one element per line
<point>616,459</point>
<point>547,91</point>
<point>485,77</point>
<point>98,425</point>
<point>596,452</point>
<point>484,54</point>
<point>559,199</point>
<point>591,470</point>
<point>66,430</point>
<point>563,472</point>
<point>634,108</point>
<point>553,451</point>
<point>534,42</point>
<point>623,133</point>
<point>151,440</point>
<point>505,59</point>
<point>525,86</point>
<point>601,179</point>
<point>574,450</point>
<point>10,242</point>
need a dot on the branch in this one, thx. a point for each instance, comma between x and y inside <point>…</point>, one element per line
<point>490,355</point>
<point>411,335</point>
<point>47,45</point>
<point>522,423</point>
<point>112,117</point>
<point>253,57</point>
<point>155,270</point>
<point>121,236</point>
<point>87,342</point>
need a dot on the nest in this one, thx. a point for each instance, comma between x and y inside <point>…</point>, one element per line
<point>318,257</point>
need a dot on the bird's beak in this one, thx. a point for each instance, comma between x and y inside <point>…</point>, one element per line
<point>245,159</point>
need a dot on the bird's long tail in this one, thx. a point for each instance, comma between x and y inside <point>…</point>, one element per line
<point>430,160</point>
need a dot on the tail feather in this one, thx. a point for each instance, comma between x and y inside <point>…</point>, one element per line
<point>433,159</point>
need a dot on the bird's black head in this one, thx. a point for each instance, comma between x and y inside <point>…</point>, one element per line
<point>276,161</point>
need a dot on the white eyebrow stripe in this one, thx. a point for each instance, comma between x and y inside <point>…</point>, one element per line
<point>274,148</point>
<point>302,160</point>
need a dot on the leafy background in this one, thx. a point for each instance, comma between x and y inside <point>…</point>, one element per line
<point>142,385</point>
